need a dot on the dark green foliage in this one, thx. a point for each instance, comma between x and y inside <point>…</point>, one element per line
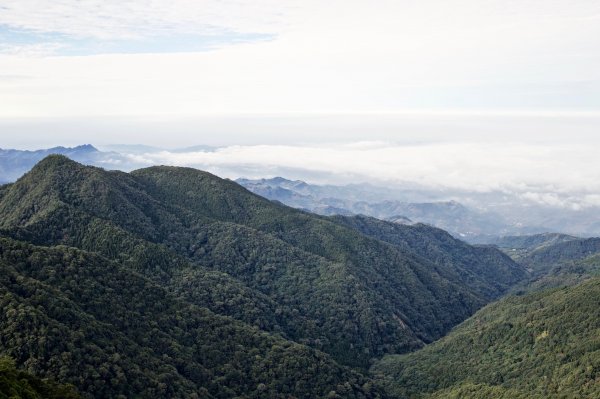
<point>542,260</point>
<point>540,345</point>
<point>533,241</point>
<point>4,189</point>
<point>79,318</point>
<point>482,268</point>
<point>214,244</point>
<point>469,390</point>
<point>564,273</point>
<point>567,262</point>
<point>15,384</point>
<point>422,298</point>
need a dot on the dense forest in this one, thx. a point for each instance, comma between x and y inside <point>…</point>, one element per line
<point>184,282</point>
<point>482,268</point>
<point>540,345</point>
<point>172,282</point>
<point>82,319</point>
<point>16,383</point>
<point>311,279</point>
<point>563,261</point>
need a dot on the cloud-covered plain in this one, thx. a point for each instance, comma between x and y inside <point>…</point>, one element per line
<point>564,176</point>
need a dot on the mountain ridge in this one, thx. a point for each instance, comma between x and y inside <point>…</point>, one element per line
<point>160,209</point>
<point>539,345</point>
<point>348,200</point>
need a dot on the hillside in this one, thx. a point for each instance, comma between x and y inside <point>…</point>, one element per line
<point>543,259</point>
<point>540,345</point>
<point>563,263</point>
<point>79,318</point>
<point>213,244</point>
<point>16,383</point>
<point>518,247</point>
<point>483,268</point>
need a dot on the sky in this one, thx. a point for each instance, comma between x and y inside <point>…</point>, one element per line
<point>467,93</point>
<point>182,58</point>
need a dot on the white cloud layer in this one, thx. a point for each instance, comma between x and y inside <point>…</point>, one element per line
<point>566,176</point>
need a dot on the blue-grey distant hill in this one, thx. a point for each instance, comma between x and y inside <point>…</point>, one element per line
<point>475,217</point>
<point>369,200</point>
<point>15,163</point>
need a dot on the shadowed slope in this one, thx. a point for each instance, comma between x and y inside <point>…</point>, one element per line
<point>307,277</point>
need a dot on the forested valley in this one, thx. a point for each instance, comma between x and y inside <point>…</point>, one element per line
<point>172,282</point>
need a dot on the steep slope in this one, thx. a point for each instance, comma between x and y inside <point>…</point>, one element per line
<point>484,269</point>
<point>543,259</point>
<point>283,270</point>
<point>79,318</point>
<point>375,268</point>
<point>564,263</point>
<point>518,247</point>
<point>541,345</point>
<point>16,383</point>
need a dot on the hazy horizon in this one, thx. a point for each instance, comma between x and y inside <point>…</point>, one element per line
<point>479,96</point>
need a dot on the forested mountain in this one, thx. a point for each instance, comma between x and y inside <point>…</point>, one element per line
<point>79,318</point>
<point>16,383</point>
<point>208,248</point>
<point>321,279</point>
<point>541,345</point>
<point>543,259</point>
<point>518,247</point>
<point>566,262</point>
<point>553,259</point>
<point>483,268</point>
<point>533,241</point>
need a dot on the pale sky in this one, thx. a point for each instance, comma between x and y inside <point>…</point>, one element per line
<point>190,58</point>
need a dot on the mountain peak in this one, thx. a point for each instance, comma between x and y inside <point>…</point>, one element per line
<point>86,148</point>
<point>52,166</point>
<point>278,179</point>
<point>53,161</point>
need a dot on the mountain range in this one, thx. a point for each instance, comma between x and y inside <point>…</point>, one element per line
<point>15,163</point>
<point>357,199</point>
<point>186,282</point>
<point>173,282</point>
<point>480,218</point>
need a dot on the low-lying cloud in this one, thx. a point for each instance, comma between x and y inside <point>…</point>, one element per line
<point>565,175</point>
